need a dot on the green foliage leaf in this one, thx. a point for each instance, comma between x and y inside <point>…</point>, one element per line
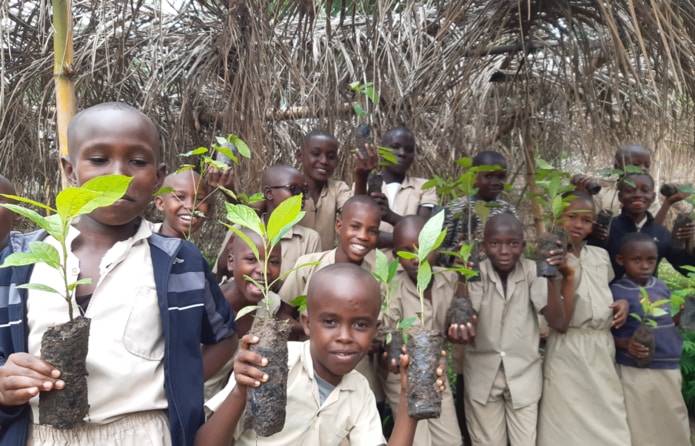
<point>636,316</point>
<point>26,200</point>
<point>406,255</point>
<point>185,168</point>
<point>240,145</point>
<point>359,111</point>
<point>34,216</point>
<point>96,193</point>
<point>194,152</point>
<point>40,287</point>
<point>299,302</point>
<point>295,268</point>
<point>386,156</point>
<point>465,162</point>
<point>543,164</point>
<point>239,233</point>
<point>163,190</point>
<point>429,235</point>
<point>406,323</point>
<point>23,258</point>
<point>287,214</point>
<point>424,275</point>
<point>47,253</point>
<point>85,281</point>
<point>246,310</point>
<point>388,337</point>
<point>241,215</point>
<point>381,266</point>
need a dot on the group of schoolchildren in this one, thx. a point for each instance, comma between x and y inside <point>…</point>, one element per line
<point>168,364</point>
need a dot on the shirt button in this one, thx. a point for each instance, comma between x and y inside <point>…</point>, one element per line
<point>502,354</point>
<point>75,271</point>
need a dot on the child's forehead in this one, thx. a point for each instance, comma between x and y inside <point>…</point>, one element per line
<point>401,136</point>
<point>360,293</point>
<point>407,235</point>
<point>322,142</point>
<point>502,229</point>
<point>636,247</point>
<point>360,211</point>
<point>638,180</point>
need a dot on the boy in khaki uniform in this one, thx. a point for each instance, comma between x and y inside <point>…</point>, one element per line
<point>406,303</point>
<point>502,370</point>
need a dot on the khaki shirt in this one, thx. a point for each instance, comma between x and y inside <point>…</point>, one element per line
<point>406,301</point>
<point>507,333</point>
<point>409,198</point>
<point>321,216</point>
<point>297,242</point>
<point>297,282</point>
<point>349,411</point>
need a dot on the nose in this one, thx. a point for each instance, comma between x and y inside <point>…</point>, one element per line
<point>344,336</point>
<point>363,234</point>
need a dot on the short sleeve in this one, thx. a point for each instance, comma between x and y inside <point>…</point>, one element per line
<point>538,291</point>
<point>429,197</point>
<point>343,194</point>
<point>367,428</point>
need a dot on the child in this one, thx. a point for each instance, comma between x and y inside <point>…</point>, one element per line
<point>185,207</point>
<point>490,185</point>
<point>327,401</point>
<point>319,157</point>
<point>241,293</point>
<point>357,229</point>
<point>582,399</point>
<point>8,219</point>
<point>636,194</point>
<point>406,303</point>
<point>502,370</point>
<point>278,184</point>
<point>152,301</point>
<point>656,412</point>
<point>401,194</point>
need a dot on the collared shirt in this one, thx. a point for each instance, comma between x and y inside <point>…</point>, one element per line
<point>507,333</point>
<point>406,301</point>
<point>408,198</point>
<point>321,216</point>
<point>126,341</point>
<point>297,282</point>
<point>298,241</point>
<point>349,411</point>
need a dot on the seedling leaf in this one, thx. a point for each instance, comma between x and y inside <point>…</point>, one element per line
<point>287,214</point>
<point>240,145</point>
<point>39,287</point>
<point>239,233</point>
<point>406,255</point>
<point>299,302</point>
<point>246,217</point>
<point>429,235</point>
<point>246,310</point>
<point>194,152</point>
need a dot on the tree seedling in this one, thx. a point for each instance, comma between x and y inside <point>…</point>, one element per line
<point>645,334</point>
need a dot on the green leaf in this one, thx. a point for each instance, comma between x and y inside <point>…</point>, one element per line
<point>246,310</point>
<point>163,190</point>
<point>295,268</point>
<point>185,168</point>
<point>85,281</point>
<point>651,323</point>
<point>657,312</point>
<point>465,162</point>
<point>406,323</point>
<point>299,302</point>
<point>354,86</point>
<point>47,252</point>
<point>240,145</point>
<point>219,165</point>
<point>424,275</point>
<point>28,201</point>
<point>194,152</point>
<point>636,316</point>
<point>96,193</point>
<point>359,111</point>
<point>381,266</point>
<point>543,165</point>
<point>371,93</point>
<point>393,270</point>
<point>40,287</point>
<point>388,337</point>
<point>228,192</point>
<point>406,255</point>
<point>244,216</point>
<point>558,206</point>
<point>23,258</point>
<point>287,214</point>
<point>429,235</point>
<point>32,215</point>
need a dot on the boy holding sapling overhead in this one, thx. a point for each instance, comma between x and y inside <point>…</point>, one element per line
<point>325,198</point>
<point>656,412</point>
<point>152,302</point>
<point>405,303</point>
<point>502,369</point>
<point>328,402</point>
<point>401,194</point>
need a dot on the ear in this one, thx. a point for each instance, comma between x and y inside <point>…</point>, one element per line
<point>268,193</point>
<point>69,170</point>
<point>230,263</point>
<point>338,225</point>
<point>299,154</point>
<point>304,318</point>
<point>159,203</point>
<point>620,260</point>
<point>161,174</point>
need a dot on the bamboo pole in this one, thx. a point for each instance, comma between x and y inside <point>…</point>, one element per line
<point>63,73</point>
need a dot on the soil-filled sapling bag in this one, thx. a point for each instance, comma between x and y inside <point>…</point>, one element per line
<point>423,396</point>
<point>550,241</point>
<point>645,336</point>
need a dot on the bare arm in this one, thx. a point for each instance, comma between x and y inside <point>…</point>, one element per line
<point>216,355</point>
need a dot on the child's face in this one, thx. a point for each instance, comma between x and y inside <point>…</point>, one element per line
<point>358,231</point>
<point>406,239</point>
<point>403,146</point>
<point>243,262</point>
<point>578,219</point>
<point>503,244</point>
<point>639,260</point>
<point>285,186</point>
<point>319,158</point>
<point>490,184</point>
<point>119,142</point>
<point>636,199</point>
<point>178,204</point>
<point>341,325</point>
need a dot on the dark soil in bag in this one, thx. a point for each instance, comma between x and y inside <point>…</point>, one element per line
<point>424,350</point>
<point>645,336</point>
<point>394,347</point>
<point>460,311</point>
<point>548,242</point>
<point>265,405</point>
<point>65,347</point>
<point>682,220</point>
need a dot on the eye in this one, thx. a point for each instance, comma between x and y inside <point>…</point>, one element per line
<point>361,325</point>
<point>138,162</point>
<point>331,156</point>
<point>275,262</point>
<point>354,226</point>
<point>373,231</point>
<point>328,322</point>
<point>98,160</point>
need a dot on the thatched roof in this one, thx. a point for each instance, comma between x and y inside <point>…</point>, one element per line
<point>567,79</point>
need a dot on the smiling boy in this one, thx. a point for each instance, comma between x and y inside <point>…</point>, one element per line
<point>327,401</point>
<point>185,207</point>
<point>151,299</point>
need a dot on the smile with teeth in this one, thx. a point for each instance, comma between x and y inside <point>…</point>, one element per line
<point>358,248</point>
<point>254,288</point>
<point>187,217</point>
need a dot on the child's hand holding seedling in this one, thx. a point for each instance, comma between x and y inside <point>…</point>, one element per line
<point>246,371</point>
<point>23,376</point>
<point>636,349</point>
<point>463,334</point>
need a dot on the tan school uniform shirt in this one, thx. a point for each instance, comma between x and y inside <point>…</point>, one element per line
<point>409,197</point>
<point>320,216</point>
<point>507,333</point>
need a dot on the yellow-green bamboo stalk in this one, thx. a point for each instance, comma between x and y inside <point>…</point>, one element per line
<point>63,72</point>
